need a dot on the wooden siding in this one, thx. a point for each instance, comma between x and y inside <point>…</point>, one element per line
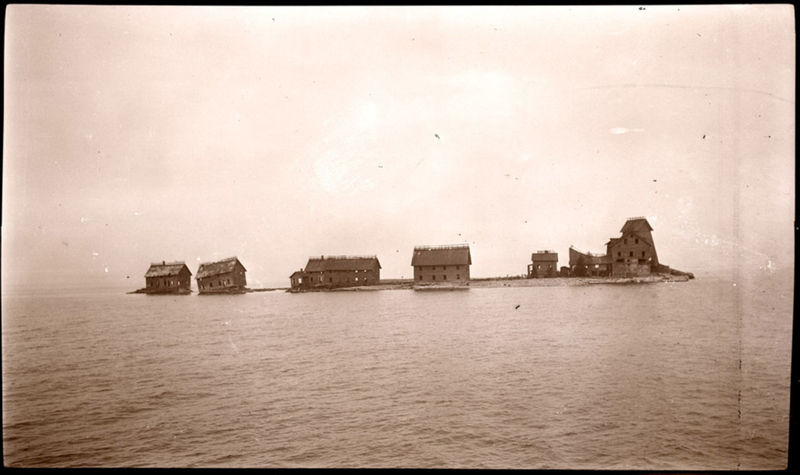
<point>442,273</point>
<point>221,282</point>
<point>167,282</point>
<point>633,254</point>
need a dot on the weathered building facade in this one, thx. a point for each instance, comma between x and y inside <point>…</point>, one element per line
<point>224,276</point>
<point>447,263</point>
<point>168,277</point>
<point>634,253</point>
<point>300,280</point>
<point>588,264</point>
<point>543,264</point>
<point>338,271</point>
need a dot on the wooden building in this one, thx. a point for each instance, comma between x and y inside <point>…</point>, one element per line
<point>447,263</point>
<point>543,264</point>
<point>168,277</point>
<point>339,271</point>
<point>300,280</point>
<point>633,253</point>
<point>588,264</point>
<point>225,276</point>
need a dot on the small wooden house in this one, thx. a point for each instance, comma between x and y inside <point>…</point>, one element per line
<point>634,253</point>
<point>339,271</point>
<point>168,277</point>
<point>445,263</point>
<point>225,276</point>
<point>543,264</point>
<point>300,280</point>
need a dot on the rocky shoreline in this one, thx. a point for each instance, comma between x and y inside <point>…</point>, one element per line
<point>510,282</point>
<point>479,283</point>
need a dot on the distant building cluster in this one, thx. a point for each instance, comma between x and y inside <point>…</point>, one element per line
<point>224,276</point>
<point>432,264</point>
<point>633,254</point>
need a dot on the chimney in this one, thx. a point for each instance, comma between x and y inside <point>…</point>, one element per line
<point>163,263</point>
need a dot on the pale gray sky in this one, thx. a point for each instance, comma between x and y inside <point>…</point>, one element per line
<point>139,134</point>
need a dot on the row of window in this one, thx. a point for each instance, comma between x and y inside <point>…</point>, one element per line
<point>345,270</point>
<point>619,254</point>
<point>444,277</point>
<point>167,283</point>
<point>419,268</point>
<point>220,283</point>
<point>364,280</point>
<point>339,281</point>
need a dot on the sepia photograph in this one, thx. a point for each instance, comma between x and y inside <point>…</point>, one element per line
<point>431,237</point>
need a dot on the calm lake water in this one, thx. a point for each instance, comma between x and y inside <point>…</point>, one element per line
<point>688,376</point>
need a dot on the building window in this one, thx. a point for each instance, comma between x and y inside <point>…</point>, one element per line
<point>458,276</point>
<point>444,268</point>
<point>419,278</point>
<point>433,277</point>
<point>330,280</point>
<point>458,267</point>
<point>631,254</point>
<point>444,277</point>
<point>637,241</point>
<point>626,241</point>
<point>642,253</point>
<point>434,268</point>
<point>619,254</point>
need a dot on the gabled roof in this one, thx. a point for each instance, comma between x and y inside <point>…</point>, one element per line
<point>456,254</point>
<point>298,273</point>
<point>341,263</point>
<point>166,269</point>
<point>224,266</point>
<point>614,241</point>
<point>544,256</point>
<point>634,225</point>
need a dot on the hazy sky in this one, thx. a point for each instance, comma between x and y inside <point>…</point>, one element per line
<point>139,134</point>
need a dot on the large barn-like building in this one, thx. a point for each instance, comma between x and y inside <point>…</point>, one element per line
<point>168,277</point>
<point>337,271</point>
<point>224,276</point>
<point>447,263</point>
<point>634,253</point>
